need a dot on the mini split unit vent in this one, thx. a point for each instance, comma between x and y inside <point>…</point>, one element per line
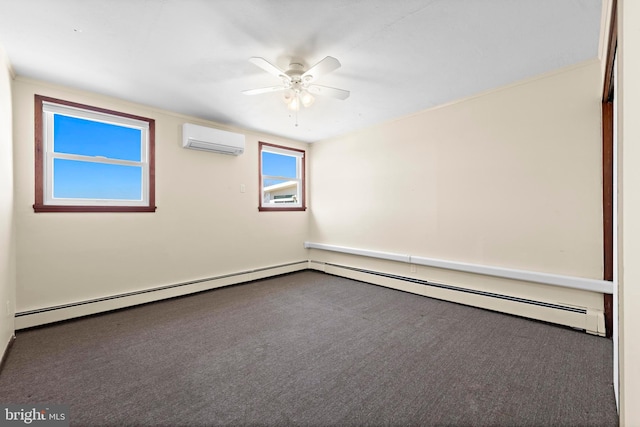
<point>210,139</point>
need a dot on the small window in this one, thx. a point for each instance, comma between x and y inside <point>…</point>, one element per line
<point>90,159</point>
<point>282,184</point>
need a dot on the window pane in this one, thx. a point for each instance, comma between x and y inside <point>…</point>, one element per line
<point>89,138</point>
<point>88,180</point>
<point>280,191</point>
<point>278,165</point>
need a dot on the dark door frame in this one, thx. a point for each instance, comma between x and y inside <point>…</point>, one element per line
<point>607,166</point>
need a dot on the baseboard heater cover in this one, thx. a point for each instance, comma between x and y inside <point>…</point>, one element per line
<point>578,310</point>
<point>30,316</point>
<point>593,285</point>
<point>22,314</point>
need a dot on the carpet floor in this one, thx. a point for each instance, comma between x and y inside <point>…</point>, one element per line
<point>311,349</point>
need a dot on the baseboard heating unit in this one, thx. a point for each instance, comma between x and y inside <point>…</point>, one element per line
<point>460,289</point>
<point>565,300</point>
<point>40,316</point>
<point>569,301</point>
<point>577,317</point>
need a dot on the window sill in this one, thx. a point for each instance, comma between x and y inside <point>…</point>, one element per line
<point>289,209</point>
<point>64,208</point>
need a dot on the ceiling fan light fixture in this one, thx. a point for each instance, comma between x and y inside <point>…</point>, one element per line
<point>306,98</point>
<point>294,104</point>
<point>289,96</point>
<point>298,84</point>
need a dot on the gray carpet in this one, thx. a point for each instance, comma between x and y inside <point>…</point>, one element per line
<point>311,349</point>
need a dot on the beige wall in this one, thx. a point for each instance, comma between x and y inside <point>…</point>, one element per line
<point>7,224</point>
<point>629,210</point>
<point>510,178</point>
<point>204,225</point>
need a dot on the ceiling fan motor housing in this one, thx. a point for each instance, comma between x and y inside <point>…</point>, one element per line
<point>297,81</point>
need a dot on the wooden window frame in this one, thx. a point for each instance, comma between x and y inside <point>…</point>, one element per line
<point>284,208</point>
<point>41,206</point>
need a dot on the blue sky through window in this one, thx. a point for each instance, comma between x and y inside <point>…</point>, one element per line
<point>89,180</point>
<point>89,138</point>
<point>75,179</point>
<point>278,165</point>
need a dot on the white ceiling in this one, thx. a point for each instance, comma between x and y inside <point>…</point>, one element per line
<point>398,56</point>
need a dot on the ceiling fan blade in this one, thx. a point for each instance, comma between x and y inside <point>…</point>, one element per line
<point>263,90</point>
<point>327,65</point>
<point>269,68</point>
<point>329,91</point>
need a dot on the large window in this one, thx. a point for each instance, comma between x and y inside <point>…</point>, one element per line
<point>282,184</point>
<point>90,159</point>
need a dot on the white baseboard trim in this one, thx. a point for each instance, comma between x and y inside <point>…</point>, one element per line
<point>578,317</point>
<point>43,315</point>
<point>601,286</point>
<point>591,321</point>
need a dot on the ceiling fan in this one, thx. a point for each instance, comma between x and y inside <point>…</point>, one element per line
<point>298,85</point>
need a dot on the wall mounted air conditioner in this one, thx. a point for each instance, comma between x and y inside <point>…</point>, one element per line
<point>210,139</point>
